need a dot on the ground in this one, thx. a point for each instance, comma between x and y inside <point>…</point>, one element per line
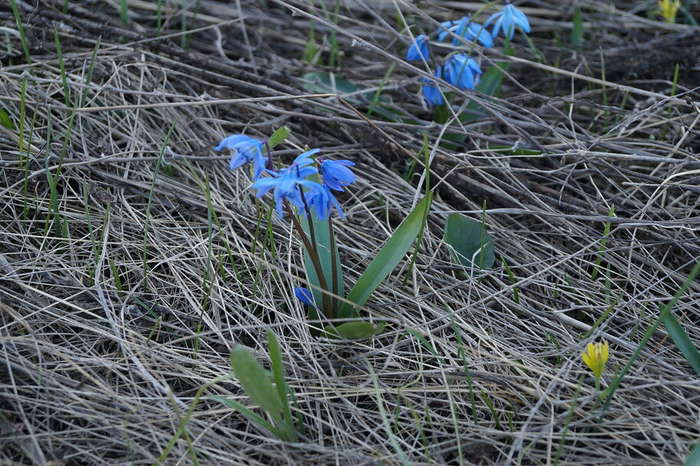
<point>133,261</point>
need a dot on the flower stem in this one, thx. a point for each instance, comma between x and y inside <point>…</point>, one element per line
<point>334,265</point>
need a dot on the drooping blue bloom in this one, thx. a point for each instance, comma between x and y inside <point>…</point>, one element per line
<point>462,71</point>
<point>431,93</point>
<point>507,19</point>
<point>244,150</point>
<point>322,201</point>
<point>419,49</point>
<point>336,174</point>
<point>466,28</point>
<point>289,182</point>
<point>304,295</point>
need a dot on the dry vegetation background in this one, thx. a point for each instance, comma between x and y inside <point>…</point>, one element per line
<point>132,260</point>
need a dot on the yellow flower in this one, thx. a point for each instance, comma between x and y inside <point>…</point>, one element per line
<point>669,9</point>
<point>595,357</point>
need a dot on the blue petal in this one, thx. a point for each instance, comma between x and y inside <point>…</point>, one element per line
<point>304,295</point>
<point>419,49</point>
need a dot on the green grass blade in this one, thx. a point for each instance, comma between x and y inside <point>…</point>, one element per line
<point>22,33</point>
<point>280,383</point>
<point>236,406</point>
<point>682,341</point>
<point>388,258</point>
<point>577,30</point>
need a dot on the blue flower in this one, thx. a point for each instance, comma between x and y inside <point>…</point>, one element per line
<point>419,49</point>
<point>336,173</point>
<point>462,71</point>
<point>304,295</point>
<point>431,93</point>
<point>507,19</point>
<point>322,201</point>
<point>466,28</point>
<point>244,150</point>
<point>288,182</point>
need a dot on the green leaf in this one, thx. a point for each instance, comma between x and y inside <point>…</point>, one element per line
<point>278,137</point>
<point>682,341</point>
<point>694,457</point>
<point>278,377</point>
<point>256,383</point>
<point>325,252</point>
<point>359,330</point>
<point>577,30</point>
<point>490,85</point>
<point>235,405</point>
<point>467,236</point>
<point>323,82</point>
<point>387,259</point>
<point>6,121</point>
<point>423,341</point>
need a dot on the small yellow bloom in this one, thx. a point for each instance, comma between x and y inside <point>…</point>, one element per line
<point>669,9</point>
<point>595,357</point>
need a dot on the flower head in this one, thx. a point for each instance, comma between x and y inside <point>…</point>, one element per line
<point>304,295</point>
<point>595,357</point>
<point>289,182</point>
<point>431,93</point>
<point>462,71</point>
<point>467,29</point>
<point>507,19</point>
<point>336,174</point>
<point>669,9</point>
<point>322,201</point>
<point>244,150</point>
<point>419,49</point>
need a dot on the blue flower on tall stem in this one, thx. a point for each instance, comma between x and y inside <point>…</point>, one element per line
<point>336,174</point>
<point>431,93</point>
<point>419,49</point>
<point>462,71</point>
<point>322,201</point>
<point>289,182</point>
<point>467,29</point>
<point>245,149</point>
<point>507,19</point>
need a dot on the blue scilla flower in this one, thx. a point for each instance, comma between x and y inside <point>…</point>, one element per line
<point>289,182</point>
<point>322,201</point>
<point>507,19</point>
<point>431,93</point>
<point>468,29</point>
<point>304,295</point>
<point>419,49</point>
<point>462,71</point>
<point>244,150</point>
<point>336,174</point>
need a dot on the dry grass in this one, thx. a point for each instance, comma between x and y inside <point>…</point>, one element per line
<point>123,290</point>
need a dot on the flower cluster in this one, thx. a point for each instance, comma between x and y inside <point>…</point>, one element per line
<point>460,69</point>
<point>306,184</point>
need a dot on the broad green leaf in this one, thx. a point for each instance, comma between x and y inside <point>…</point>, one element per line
<point>694,457</point>
<point>577,30</point>
<point>682,341</point>
<point>359,330</point>
<point>387,259</point>
<point>469,239</point>
<point>490,85</point>
<point>256,383</point>
<point>323,244</point>
<point>278,137</point>
<point>6,121</point>
<point>324,82</point>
